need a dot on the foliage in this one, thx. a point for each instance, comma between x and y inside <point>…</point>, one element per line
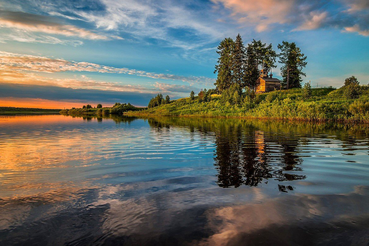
<point>225,64</point>
<point>293,61</point>
<point>306,91</point>
<point>192,95</point>
<point>117,109</point>
<point>323,104</point>
<point>99,106</point>
<point>238,63</point>
<point>251,69</point>
<point>351,91</point>
<point>351,81</point>
<point>158,100</point>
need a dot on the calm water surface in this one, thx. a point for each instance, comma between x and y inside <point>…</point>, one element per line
<point>177,181</point>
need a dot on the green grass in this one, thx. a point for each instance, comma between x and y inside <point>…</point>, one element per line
<point>324,104</point>
<point>27,111</point>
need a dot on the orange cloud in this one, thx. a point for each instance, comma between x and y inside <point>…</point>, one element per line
<point>357,29</point>
<point>262,13</point>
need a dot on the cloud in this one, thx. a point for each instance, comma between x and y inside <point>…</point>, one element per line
<point>31,23</point>
<point>357,5</point>
<point>168,88</point>
<point>261,13</point>
<point>314,22</point>
<point>172,23</point>
<point>9,61</point>
<point>356,28</point>
<point>28,37</point>
<point>299,15</point>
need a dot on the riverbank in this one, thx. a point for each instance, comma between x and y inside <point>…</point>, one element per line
<point>323,104</point>
<point>27,111</point>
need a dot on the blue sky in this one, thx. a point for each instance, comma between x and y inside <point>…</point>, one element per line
<point>73,52</point>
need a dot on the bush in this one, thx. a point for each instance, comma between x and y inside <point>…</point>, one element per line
<point>306,91</point>
<point>351,91</point>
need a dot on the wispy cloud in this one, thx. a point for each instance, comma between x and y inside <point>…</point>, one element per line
<point>21,62</point>
<point>300,15</point>
<point>172,23</point>
<point>30,23</point>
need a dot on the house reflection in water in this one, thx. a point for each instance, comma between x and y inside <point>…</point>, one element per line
<point>249,157</point>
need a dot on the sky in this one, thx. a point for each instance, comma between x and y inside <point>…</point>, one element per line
<point>67,53</point>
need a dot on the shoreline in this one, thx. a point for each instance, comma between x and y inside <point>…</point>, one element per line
<point>340,121</point>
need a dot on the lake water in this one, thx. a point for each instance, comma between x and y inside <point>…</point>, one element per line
<point>181,181</point>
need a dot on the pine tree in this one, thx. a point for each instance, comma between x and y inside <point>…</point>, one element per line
<point>192,95</point>
<point>224,66</point>
<point>239,58</point>
<point>293,61</point>
<point>265,55</point>
<point>251,73</point>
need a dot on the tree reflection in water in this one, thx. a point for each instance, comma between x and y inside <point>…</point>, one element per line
<point>249,156</point>
<point>249,152</point>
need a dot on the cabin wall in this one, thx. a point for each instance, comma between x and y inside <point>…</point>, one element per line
<point>261,86</point>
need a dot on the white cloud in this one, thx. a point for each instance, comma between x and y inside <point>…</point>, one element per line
<point>315,21</point>
<point>21,62</point>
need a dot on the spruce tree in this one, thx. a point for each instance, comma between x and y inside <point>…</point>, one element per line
<point>239,58</point>
<point>293,61</point>
<point>251,73</point>
<point>224,66</point>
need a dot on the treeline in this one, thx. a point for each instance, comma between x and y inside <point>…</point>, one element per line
<point>159,100</point>
<point>117,109</point>
<point>242,65</point>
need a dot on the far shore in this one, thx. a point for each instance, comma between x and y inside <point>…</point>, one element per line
<point>11,111</point>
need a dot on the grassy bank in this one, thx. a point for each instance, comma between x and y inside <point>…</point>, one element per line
<point>322,104</point>
<point>27,111</point>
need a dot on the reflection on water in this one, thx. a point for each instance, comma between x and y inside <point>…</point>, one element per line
<point>182,181</point>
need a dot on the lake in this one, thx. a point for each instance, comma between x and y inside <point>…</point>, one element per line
<point>182,181</point>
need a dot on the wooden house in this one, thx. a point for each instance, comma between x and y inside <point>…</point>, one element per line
<point>267,83</point>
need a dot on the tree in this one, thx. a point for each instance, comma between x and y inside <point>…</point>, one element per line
<point>201,96</point>
<point>167,99</point>
<point>99,106</point>
<point>306,91</point>
<point>239,59</point>
<point>293,61</point>
<point>251,73</point>
<point>265,56</point>
<point>192,95</point>
<point>351,80</point>
<point>224,65</point>
<point>351,91</point>
<point>156,101</point>
<point>88,106</point>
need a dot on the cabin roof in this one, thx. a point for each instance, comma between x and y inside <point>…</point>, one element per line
<point>271,80</point>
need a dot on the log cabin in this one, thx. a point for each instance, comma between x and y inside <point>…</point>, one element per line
<point>267,83</point>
